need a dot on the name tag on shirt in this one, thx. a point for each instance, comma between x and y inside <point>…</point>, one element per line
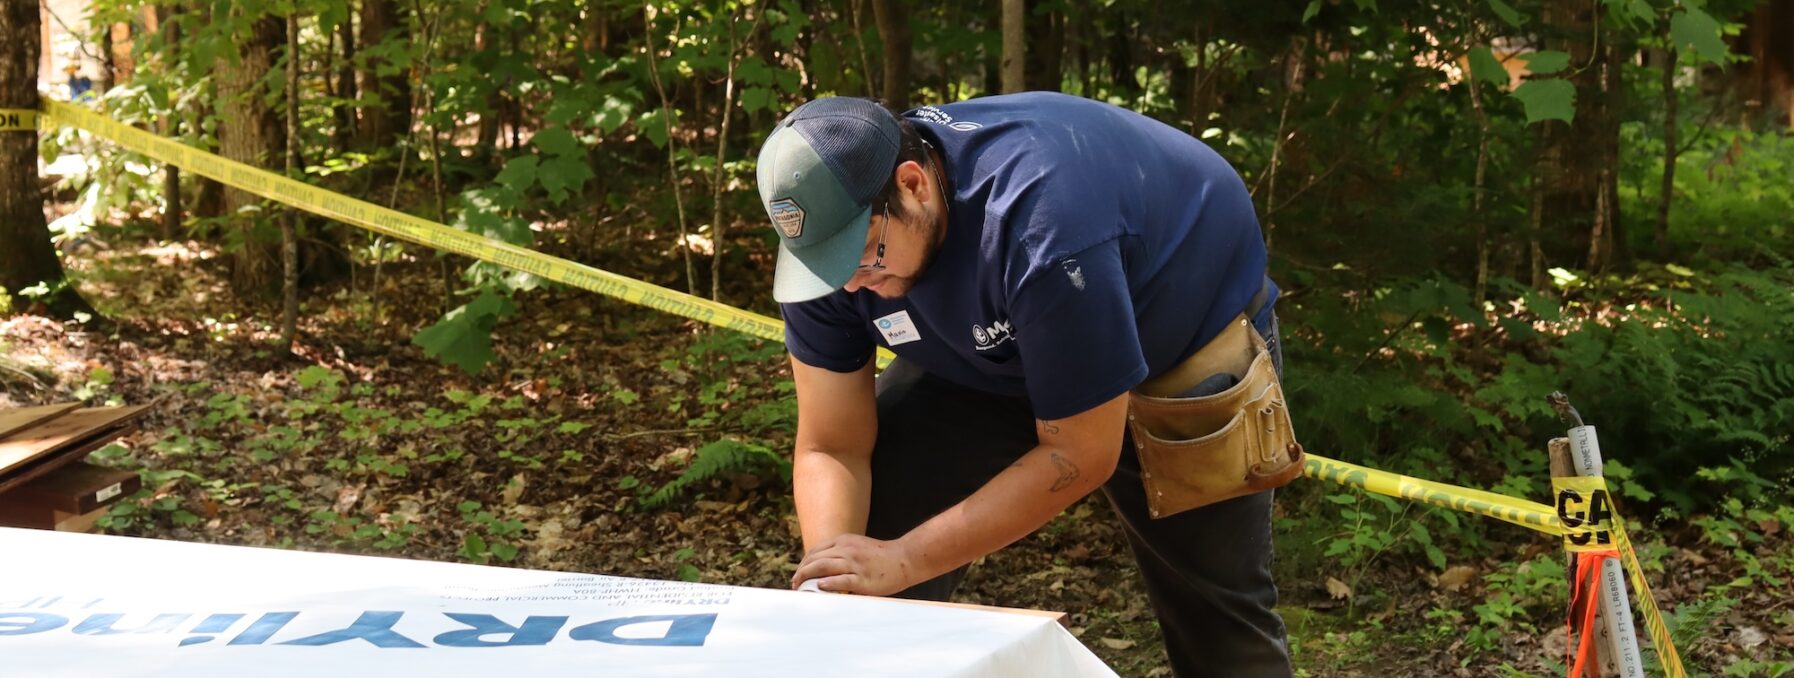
<point>897,328</point>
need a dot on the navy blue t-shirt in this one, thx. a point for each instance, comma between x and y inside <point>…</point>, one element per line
<point>1088,248</point>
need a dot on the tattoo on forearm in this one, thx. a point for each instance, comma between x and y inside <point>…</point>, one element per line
<point>1067,472</point>
<point>1049,427</point>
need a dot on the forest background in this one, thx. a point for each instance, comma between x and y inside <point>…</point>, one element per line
<point>1469,204</point>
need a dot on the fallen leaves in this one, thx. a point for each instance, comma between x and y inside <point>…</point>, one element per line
<point>1338,589</point>
<point>1456,577</point>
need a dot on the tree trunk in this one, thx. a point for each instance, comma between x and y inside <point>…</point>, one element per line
<point>1121,58</point>
<point>719,179</point>
<point>346,89</point>
<point>893,29</point>
<point>1045,69</point>
<point>1769,36</point>
<point>856,10</point>
<point>1535,225</point>
<point>171,125</point>
<point>1476,196</point>
<point>1015,46</point>
<point>1578,152</point>
<point>250,133</point>
<point>289,224</point>
<point>666,118</point>
<point>26,256</point>
<point>1670,100</point>
<point>386,101</point>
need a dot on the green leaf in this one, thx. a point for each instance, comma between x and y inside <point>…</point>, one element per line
<point>1548,61</point>
<point>1695,29</point>
<point>1485,67</point>
<point>463,338</point>
<point>473,546</point>
<point>1553,99</point>
<point>1314,8</point>
<point>458,342</point>
<point>653,125</point>
<point>519,174</point>
<point>612,114</point>
<point>504,551</point>
<point>489,307</point>
<point>787,79</point>
<point>787,34</point>
<point>557,141</point>
<point>562,175</point>
<point>753,71</point>
<point>755,99</point>
<point>1507,13</point>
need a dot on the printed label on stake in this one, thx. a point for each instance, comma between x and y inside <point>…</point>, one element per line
<point>1586,511</point>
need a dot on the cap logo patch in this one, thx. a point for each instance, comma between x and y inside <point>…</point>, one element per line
<point>787,216</point>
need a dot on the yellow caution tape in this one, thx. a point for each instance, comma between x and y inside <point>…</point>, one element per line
<point>1578,505</point>
<point>18,119</point>
<point>1518,511</point>
<point>1586,512</point>
<point>1661,643</point>
<point>414,229</point>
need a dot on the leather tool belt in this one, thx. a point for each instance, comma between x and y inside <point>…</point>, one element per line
<point>1196,451</point>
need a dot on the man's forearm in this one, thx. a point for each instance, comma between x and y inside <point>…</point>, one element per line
<point>832,494</point>
<point>1013,504</point>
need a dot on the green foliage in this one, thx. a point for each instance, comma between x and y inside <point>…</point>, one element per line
<point>716,460</point>
<point>1512,598</point>
<point>1693,29</point>
<point>1734,193</point>
<point>464,336</point>
<point>1553,99</point>
<point>1692,375</point>
<point>488,536</point>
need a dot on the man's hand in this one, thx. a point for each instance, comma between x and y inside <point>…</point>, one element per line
<point>851,563</point>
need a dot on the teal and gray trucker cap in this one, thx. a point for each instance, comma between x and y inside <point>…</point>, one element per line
<point>818,174</point>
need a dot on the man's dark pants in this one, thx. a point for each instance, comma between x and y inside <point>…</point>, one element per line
<point>1208,570</point>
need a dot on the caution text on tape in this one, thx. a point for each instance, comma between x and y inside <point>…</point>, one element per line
<point>18,120</point>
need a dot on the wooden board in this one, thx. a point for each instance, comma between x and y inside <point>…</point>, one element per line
<point>18,419</point>
<point>62,456</point>
<point>38,518</point>
<point>78,487</point>
<point>79,425</point>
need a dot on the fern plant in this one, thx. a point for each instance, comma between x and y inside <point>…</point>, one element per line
<point>716,459</point>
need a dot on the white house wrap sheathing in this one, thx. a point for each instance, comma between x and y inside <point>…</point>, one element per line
<point>81,605</point>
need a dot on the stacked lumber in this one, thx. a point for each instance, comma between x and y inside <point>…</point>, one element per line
<point>44,482</point>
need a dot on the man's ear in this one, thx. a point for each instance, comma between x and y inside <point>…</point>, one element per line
<point>911,178</point>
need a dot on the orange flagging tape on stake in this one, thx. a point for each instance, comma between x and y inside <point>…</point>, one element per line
<point>1584,599</point>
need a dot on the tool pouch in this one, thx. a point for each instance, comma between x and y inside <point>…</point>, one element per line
<point>1196,451</point>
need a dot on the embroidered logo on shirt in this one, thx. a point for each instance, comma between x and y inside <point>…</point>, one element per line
<point>1075,273</point>
<point>937,116</point>
<point>990,336</point>
<point>897,328</point>
<point>787,215</point>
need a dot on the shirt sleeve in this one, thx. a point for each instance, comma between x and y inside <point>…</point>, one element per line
<point>827,333</point>
<point>1075,329</point>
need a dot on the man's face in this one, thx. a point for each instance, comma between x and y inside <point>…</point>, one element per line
<point>911,228</point>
